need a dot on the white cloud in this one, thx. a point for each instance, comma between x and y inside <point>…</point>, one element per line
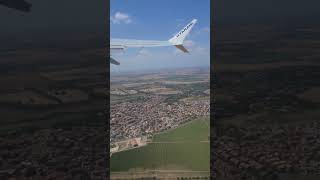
<point>144,52</point>
<point>188,43</point>
<point>201,50</point>
<point>203,30</point>
<point>206,29</point>
<point>120,17</point>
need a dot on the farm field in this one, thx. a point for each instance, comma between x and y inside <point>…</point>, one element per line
<point>184,148</point>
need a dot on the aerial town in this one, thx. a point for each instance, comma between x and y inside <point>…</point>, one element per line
<point>158,105</point>
<point>134,119</point>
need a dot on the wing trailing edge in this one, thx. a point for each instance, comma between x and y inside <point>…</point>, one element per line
<point>113,61</point>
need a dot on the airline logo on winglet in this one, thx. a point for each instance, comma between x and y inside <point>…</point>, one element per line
<point>178,38</point>
<point>187,27</point>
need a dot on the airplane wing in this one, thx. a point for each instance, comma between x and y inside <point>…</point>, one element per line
<point>132,43</point>
<point>177,41</point>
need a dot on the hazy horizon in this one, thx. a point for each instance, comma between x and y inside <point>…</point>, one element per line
<point>159,70</point>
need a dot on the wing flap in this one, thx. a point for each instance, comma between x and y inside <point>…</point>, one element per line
<point>182,48</point>
<point>113,61</point>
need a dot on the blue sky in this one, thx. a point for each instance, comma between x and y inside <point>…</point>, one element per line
<point>160,20</point>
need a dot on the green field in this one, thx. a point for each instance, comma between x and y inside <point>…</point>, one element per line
<point>184,148</point>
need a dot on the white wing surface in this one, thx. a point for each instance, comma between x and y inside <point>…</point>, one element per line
<point>117,45</point>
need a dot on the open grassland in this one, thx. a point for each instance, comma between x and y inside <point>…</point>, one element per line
<point>184,148</point>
